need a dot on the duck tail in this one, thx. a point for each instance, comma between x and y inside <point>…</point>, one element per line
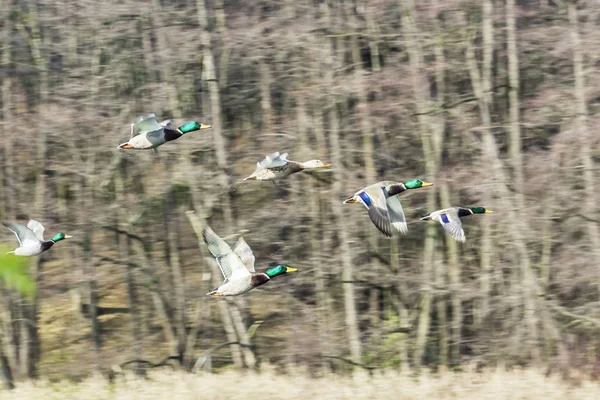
<point>250,178</point>
<point>214,293</point>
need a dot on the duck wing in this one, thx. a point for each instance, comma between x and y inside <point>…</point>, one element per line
<point>451,223</point>
<point>245,253</point>
<point>167,123</point>
<point>272,160</point>
<point>230,263</point>
<point>374,198</point>
<point>37,228</point>
<point>145,124</point>
<point>24,235</point>
<point>396,214</point>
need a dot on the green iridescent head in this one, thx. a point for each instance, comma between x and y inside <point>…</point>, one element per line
<point>480,210</point>
<point>279,270</point>
<point>192,126</point>
<point>60,236</point>
<point>416,183</point>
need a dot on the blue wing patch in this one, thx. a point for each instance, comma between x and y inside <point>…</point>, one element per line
<point>445,218</point>
<point>365,197</point>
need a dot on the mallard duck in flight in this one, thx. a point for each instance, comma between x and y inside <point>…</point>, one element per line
<point>450,219</point>
<point>277,166</point>
<point>237,266</point>
<point>382,203</point>
<point>147,133</point>
<point>31,238</point>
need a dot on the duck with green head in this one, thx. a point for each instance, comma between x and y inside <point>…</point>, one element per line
<point>237,266</point>
<point>147,133</point>
<point>31,238</point>
<point>382,203</point>
<point>449,218</point>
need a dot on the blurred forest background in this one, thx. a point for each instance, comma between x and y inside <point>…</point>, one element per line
<point>494,101</point>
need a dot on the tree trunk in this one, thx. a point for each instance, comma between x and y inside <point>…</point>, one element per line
<point>176,274</point>
<point>491,154</point>
<point>210,76</point>
<point>585,138</point>
<point>5,372</point>
<point>164,55</point>
<point>338,212</point>
<point>419,92</point>
<point>124,245</point>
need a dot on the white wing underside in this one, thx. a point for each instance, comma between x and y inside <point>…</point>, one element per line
<point>245,253</point>
<point>37,228</point>
<point>24,235</point>
<point>146,124</point>
<point>232,266</point>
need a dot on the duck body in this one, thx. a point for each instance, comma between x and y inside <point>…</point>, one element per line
<point>383,206</point>
<point>31,238</point>
<point>240,286</point>
<point>276,166</point>
<point>237,266</point>
<point>450,219</point>
<point>147,133</point>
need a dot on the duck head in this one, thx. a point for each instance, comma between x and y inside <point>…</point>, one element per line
<point>60,236</point>
<point>314,164</point>
<point>279,270</point>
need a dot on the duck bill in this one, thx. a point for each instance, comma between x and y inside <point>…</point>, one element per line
<point>290,269</point>
<point>427,184</point>
<point>325,165</point>
<point>488,211</point>
<point>202,126</point>
<point>351,200</point>
<point>68,236</point>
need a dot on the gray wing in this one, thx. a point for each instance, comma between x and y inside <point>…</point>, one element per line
<point>37,228</point>
<point>230,263</point>
<point>378,211</point>
<point>396,213</point>
<point>145,124</point>
<point>272,160</point>
<point>451,223</point>
<point>24,235</point>
<point>245,253</point>
<point>167,123</point>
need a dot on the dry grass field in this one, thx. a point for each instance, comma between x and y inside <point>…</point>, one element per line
<point>494,385</point>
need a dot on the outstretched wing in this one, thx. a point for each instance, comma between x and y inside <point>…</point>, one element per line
<point>451,223</point>
<point>167,123</point>
<point>37,228</point>
<point>272,160</point>
<point>145,124</point>
<point>245,253</point>
<point>377,206</point>
<point>24,235</point>
<point>396,213</point>
<point>230,263</point>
